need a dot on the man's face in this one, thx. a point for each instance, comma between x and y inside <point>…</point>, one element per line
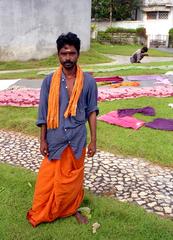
<point>68,56</point>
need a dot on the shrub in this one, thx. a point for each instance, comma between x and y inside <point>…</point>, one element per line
<point>103,36</point>
<point>122,35</point>
<point>171,33</point>
<point>93,27</point>
<point>171,37</point>
<point>120,30</point>
<point>141,32</point>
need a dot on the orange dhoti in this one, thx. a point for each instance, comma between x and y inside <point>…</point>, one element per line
<point>59,188</point>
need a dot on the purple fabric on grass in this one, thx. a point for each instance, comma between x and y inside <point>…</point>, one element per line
<point>161,124</point>
<point>148,111</point>
<point>146,78</point>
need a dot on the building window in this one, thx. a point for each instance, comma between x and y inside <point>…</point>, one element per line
<point>151,15</point>
<point>163,15</point>
<point>157,15</point>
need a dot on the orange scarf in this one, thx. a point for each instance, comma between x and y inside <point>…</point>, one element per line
<point>54,93</point>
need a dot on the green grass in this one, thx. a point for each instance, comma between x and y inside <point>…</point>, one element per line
<point>131,72</point>
<point>153,145</point>
<point>92,56</point>
<point>134,65</point>
<point>121,221</point>
<point>115,49</point>
<point>109,70</point>
<point>88,57</point>
<point>25,75</point>
<point>19,119</point>
<point>126,50</point>
<point>12,65</point>
<point>157,53</point>
<point>129,69</point>
<point>157,64</point>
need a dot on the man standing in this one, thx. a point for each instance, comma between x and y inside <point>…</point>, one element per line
<point>68,99</point>
<point>138,55</point>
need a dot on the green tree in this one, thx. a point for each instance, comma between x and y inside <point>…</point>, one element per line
<point>114,9</point>
<point>100,9</point>
<point>124,8</point>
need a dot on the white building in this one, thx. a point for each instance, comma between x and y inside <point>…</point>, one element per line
<point>29,28</point>
<point>157,18</point>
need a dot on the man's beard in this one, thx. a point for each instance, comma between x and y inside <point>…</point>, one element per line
<point>68,64</point>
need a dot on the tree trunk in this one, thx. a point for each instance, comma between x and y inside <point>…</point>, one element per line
<point>110,14</point>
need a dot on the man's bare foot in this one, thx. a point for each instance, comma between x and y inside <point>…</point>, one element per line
<point>80,218</point>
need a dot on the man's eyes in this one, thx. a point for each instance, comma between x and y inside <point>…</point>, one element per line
<point>71,54</point>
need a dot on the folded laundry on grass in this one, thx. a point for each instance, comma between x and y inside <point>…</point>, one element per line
<point>147,78</point>
<point>163,81</point>
<point>148,111</point>
<point>123,118</point>
<point>116,79</point>
<point>125,84</point>
<point>161,124</point>
<point>29,97</point>
<point>109,93</point>
<point>22,97</point>
<point>126,122</point>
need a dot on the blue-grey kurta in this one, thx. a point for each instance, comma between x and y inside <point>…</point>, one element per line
<point>71,130</point>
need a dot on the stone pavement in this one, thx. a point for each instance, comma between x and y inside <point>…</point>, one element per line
<point>127,179</point>
<point>119,59</point>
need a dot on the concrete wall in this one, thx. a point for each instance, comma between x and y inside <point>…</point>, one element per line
<point>29,28</point>
<point>157,2</point>
<point>102,26</point>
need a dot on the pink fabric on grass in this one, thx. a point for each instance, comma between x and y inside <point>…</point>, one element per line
<point>108,93</point>
<point>29,97</point>
<point>20,97</point>
<point>126,122</point>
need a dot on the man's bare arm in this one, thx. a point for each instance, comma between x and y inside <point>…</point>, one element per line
<point>92,125</point>
<point>43,142</point>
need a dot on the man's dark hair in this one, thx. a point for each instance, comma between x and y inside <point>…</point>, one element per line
<point>144,49</point>
<point>70,39</point>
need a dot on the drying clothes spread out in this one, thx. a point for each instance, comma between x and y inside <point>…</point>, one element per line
<point>109,93</point>
<point>29,97</point>
<point>148,111</point>
<point>125,84</point>
<point>126,122</point>
<point>115,79</point>
<point>161,124</point>
<point>147,78</point>
<point>124,118</point>
<point>22,97</point>
<point>163,81</point>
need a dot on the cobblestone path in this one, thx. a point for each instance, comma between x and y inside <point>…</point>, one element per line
<point>127,179</point>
